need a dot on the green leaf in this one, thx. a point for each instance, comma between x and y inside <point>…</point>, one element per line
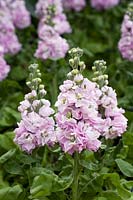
<point>10,193</point>
<point>111,195</point>
<point>42,185</point>
<point>13,167</point>
<point>7,156</point>
<point>125,167</point>
<point>6,141</point>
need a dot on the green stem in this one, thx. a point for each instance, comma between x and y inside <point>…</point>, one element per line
<point>44,160</point>
<point>75,177</point>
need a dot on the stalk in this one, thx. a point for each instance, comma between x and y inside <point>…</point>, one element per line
<point>75,177</point>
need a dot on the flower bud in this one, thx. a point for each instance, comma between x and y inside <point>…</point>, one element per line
<point>82,65</point>
<point>75,72</point>
<point>94,68</point>
<point>28,83</point>
<point>105,76</point>
<point>69,75</point>
<point>41,87</point>
<point>71,62</point>
<point>94,79</point>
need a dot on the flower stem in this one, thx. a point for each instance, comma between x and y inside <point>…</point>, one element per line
<point>75,177</point>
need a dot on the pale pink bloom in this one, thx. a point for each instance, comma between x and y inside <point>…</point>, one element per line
<point>54,48</point>
<point>24,105</point>
<point>108,98</point>
<point>37,126</point>
<point>24,139</point>
<point>4,68</point>
<point>45,111</point>
<point>74,4</point>
<point>42,7</point>
<point>125,44</point>
<point>103,5</point>
<point>19,14</point>
<point>31,96</point>
<point>61,25</point>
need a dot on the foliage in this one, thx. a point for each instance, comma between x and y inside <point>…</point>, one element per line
<point>47,174</point>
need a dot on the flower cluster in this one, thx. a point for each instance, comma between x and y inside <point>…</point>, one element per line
<point>53,23</point>
<point>4,68</point>
<point>12,13</point>
<point>103,5</point>
<point>125,44</point>
<point>74,4</point>
<point>87,110</point>
<point>37,126</point>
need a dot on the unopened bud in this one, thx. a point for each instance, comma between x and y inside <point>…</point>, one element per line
<point>82,65</point>
<point>69,75</point>
<point>94,79</point>
<point>94,68</point>
<point>96,73</point>
<point>39,74</point>
<point>106,82</point>
<point>41,87</point>
<point>28,83</point>
<point>75,72</point>
<point>42,92</point>
<point>76,61</point>
<point>105,76</point>
<point>71,62</point>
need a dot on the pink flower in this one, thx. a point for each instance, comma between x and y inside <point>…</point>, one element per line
<point>77,116</point>
<point>74,4</point>
<point>51,45</point>
<point>61,25</point>
<point>42,7</point>
<point>37,126</point>
<point>125,44</point>
<point>4,68</point>
<point>19,13</point>
<point>54,48</point>
<point>103,5</point>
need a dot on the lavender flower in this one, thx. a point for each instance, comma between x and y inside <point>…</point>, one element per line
<point>4,68</point>
<point>125,44</point>
<point>87,110</point>
<point>74,4</point>
<point>53,23</point>
<point>103,5</point>
<point>37,125</point>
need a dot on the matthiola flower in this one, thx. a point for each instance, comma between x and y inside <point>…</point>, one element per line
<point>17,11</point>
<point>10,42</point>
<point>74,4</point>
<point>113,122</point>
<point>4,68</point>
<point>61,25</point>
<point>77,115</point>
<point>42,7</point>
<point>103,5</point>
<point>125,44</point>
<point>20,15</point>
<point>54,48</point>
<point>37,125</point>
<point>53,23</point>
<point>87,110</point>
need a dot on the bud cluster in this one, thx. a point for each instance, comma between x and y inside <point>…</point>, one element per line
<point>77,65</point>
<point>130,11</point>
<point>99,77</point>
